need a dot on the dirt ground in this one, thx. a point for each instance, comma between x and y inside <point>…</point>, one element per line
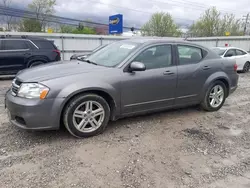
<point>180,148</point>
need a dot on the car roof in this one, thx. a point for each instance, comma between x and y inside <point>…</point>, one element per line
<point>6,37</point>
<point>227,48</point>
<point>147,41</point>
<point>154,40</point>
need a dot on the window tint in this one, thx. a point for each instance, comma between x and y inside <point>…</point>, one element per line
<point>43,44</point>
<point>189,54</point>
<point>230,53</point>
<point>156,57</point>
<point>15,45</point>
<point>240,52</point>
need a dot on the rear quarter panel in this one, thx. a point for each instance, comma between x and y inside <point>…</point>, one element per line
<point>224,70</point>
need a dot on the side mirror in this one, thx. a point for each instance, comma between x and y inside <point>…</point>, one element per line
<point>137,66</point>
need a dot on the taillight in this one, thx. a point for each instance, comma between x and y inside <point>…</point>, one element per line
<point>235,67</point>
<point>57,51</point>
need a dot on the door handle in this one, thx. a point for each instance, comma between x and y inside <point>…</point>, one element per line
<point>27,54</point>
<point>206,67</point>
<point>168,73</point>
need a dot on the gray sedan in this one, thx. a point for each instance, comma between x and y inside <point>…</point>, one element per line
<point>128,77</point>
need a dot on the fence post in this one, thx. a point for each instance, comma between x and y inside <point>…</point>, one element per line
<point>62,47</point>
<point>101,41</point>
<point>217,41</point>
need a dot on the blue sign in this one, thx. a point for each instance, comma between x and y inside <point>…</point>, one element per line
<point>116,24</point>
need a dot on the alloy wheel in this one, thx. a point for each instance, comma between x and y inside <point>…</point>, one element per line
<point>216,96</point>
<point>88,116</point>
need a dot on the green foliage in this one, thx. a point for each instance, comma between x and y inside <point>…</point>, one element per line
<point>1,29</point>
<point>77,30</point>
<point>212,23</point>
<point>162,25</point>
<point>66,29</point>
<point>30,25</point>
<point>81,29</point>
<point>85,30</point>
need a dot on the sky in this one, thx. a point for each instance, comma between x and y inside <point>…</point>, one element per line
<point>137,12</point>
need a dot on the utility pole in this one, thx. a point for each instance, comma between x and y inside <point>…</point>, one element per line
<point>246,18</point>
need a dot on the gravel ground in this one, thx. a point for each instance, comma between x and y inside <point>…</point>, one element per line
<point>180,148</point>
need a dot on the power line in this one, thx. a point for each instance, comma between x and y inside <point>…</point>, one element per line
<point>176,4</point>
<point>131,9</point>
<point>192,4</point>
<point>49,18</point>
<point>54,19</point>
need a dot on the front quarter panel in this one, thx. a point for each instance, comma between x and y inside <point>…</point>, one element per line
<point>70,86</point>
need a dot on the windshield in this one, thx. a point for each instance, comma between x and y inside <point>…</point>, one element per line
<point>112,54</point>
<point>219,51</point>
<point>98,48</point>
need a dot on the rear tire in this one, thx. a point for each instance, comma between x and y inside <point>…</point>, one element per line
<point>36,63</point>
<point>86,115</point>
<point>215,97</point>
<point>246,67</point>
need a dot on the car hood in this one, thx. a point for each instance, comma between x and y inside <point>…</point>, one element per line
<point>57,70</point>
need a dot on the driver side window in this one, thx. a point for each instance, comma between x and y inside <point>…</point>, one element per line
<point>156,57</point>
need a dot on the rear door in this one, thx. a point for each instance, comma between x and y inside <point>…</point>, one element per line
<point>14,53</point>
<point>193,71</point>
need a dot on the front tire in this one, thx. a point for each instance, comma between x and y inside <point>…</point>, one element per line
<point>215,97</point>
<point>86,115</point>
<point>246,67</point>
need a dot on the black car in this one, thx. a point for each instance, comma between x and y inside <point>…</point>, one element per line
<point>83,56</point>
<point>17,53</point>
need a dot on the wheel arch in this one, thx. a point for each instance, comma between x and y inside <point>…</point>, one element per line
<point>108,97</point>
<point>35,59</point>
<point>219,76</point>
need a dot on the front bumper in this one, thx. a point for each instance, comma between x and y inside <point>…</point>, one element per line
<point>33,114</point>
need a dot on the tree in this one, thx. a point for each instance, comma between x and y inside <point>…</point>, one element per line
<point>162,25</point>
<point>43,9</point>
<point>7,19</point>
<point>212,23</point>
<point>80,29</point>
<point>66,29</point>
<point>30,25</point>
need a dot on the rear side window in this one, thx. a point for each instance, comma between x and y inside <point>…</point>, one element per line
<point>230,53</point>
<point>189,54</point>
<point>43,44</point>
<point>15,45</point>
<point>240,52</point>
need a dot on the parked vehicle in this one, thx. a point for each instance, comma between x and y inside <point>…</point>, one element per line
<point>241,56</point>
<point>128,77</point>
<point>85,55</point>
<point>17,53</point>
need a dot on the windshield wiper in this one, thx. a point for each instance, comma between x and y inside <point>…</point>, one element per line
<point>88,61</point>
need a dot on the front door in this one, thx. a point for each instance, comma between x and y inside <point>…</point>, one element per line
<point>153,88</point>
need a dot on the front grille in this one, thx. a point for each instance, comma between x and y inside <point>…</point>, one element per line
<point>15,87</point>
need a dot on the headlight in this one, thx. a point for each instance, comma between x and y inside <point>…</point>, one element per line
<point>33,91</point>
